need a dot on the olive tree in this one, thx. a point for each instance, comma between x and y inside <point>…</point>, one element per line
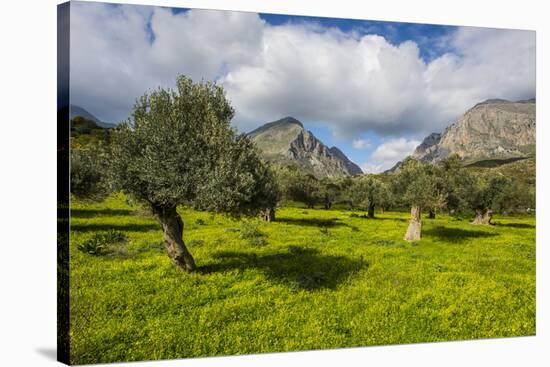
<point>454,183</point>
<point>447,182</point>
<point>179,149</point>
<point>368,192</point>
<point>486,194</point>
<point>298,186</point>
<point>416,184</point>
<point>329,192</point>
<point>88,169</point>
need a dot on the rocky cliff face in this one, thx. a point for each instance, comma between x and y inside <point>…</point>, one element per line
<point>352,168</point>
<point>428,145</point>
<point>494,129</point>
<point>286,141</point>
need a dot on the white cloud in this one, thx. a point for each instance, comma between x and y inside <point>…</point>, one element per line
<point>114,60</point>
<point>360,143</point>
<point>387,154</point>
<point>352,84</point>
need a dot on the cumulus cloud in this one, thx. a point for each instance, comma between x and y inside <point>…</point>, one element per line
<point>118,52</point>
<point>355,83</point>
<point>388,153</point>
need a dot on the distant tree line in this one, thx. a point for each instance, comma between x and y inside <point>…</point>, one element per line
<point>179,149</point>
<point>420,187</point>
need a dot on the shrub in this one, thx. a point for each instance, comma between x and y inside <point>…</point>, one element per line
<point>88,173</point>
<point>100,242</point>
<point>200,222</point>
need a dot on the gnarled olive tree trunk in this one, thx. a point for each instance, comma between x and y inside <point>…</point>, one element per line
<point>268,214</point>
<point>414,232</point>
<point>483,216</point>
<point>172,226</point>
<point>370,211</point>
<point>431,214</point>
<point>328,203</point>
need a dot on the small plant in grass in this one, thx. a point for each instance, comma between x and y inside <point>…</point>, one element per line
<point>251,232</point>
<point>257,241</point>
<point>200,222</point>
<point>324,230</point>
<point>157,246</point>
<point>440,268</point>
<point>385,242</point>
<point>195,243</point>
<point>100,243</point>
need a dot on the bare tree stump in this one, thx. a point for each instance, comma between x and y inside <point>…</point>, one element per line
<point>483,217</point>
<point>414,231</point>
<point>268,214</point>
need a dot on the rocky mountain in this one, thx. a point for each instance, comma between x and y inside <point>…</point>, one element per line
<point>287,142</point>
<point>428,145</point>
<point>75,111</point>
<point>492,130</point>
<point>352,168</point>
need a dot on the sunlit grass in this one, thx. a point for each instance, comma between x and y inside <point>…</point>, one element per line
<point>323,279</point>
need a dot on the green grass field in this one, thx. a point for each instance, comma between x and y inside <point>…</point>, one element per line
<point>320,279</point>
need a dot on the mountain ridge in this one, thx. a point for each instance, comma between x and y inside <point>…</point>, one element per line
<point>287,142</point>
<point>75,110</point>
<point>492,129</point>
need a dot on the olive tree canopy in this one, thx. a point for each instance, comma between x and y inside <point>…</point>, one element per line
<point>180,149</point>
<point>368,192</point>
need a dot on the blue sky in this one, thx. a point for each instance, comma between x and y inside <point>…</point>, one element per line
<point>425,35</point>
<point>372,88</point>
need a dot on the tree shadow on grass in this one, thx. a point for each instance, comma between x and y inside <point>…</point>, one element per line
<point>391,219</point>
<point>515,225</point>
<point>126,227</point>
<point>313,222</point>
<point>91,213</point>
<point>365,216</point>
<point>456,234</point>
<point>299,268</point>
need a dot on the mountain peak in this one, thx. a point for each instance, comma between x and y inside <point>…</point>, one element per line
<point>285,122</point>
<point>493,129</point>
<point>289,120</point>
<point>287,142</point>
